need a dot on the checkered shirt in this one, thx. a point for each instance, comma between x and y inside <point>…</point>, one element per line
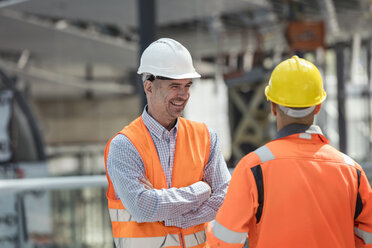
<point>181,207</point>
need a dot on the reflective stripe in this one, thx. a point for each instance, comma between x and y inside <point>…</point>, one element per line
<point>120,215</point>
<point>348,160</point>
<point>123,215</point>
<point>366,236</point>
<point>305,136</point>
<point>264,154</point>
<point>191,240</point>
<point>195,239</point>
<point>227,235</point>
<point>158,242</point>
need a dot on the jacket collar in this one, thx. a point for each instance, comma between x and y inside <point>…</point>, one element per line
<point>297,128</point>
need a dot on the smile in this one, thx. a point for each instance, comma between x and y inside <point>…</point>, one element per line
<point>178,104</point>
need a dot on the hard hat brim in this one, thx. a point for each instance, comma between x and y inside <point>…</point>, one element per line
<point>174,76</point>
<point>284,103</point>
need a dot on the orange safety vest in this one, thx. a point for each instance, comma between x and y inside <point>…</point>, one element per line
<point>191,155</point>
<point>296,191</point>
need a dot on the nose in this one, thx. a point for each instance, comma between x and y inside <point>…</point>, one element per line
<point>184,92</point>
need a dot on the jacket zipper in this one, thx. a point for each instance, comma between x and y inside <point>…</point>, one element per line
<point>181,240</point>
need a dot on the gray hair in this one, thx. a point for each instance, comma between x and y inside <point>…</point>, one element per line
<point>145,76</point>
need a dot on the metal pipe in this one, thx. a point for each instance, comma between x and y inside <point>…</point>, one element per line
<point>50,183</point>
<point>147,34</point>
<point>342,130</point>
<point>368,93</point>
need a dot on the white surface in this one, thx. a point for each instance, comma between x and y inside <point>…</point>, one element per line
<point>209,104</point>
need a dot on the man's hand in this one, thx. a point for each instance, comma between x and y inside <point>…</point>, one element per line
<point>146,183</point>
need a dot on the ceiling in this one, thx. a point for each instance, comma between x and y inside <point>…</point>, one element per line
<point>65,47</point>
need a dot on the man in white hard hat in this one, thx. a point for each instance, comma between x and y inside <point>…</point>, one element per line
<point>167,176</point>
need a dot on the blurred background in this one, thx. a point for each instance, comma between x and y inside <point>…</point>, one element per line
<point>68,83</point>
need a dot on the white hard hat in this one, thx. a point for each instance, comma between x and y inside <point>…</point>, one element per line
<point>167,58</point>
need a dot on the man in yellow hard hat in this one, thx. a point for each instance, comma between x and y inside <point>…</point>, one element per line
<point>297,190</point>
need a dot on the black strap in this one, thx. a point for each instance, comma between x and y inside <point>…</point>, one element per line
<point>359,205</point>
<point>257,173</point>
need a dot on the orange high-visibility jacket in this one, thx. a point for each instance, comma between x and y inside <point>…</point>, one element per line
<point>296,191</point>
<point>192,153</point>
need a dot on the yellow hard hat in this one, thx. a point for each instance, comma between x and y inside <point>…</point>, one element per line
<point>295,83</point>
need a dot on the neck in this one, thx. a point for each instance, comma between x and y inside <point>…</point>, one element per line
<point>280,123</point>
<point>283,120</point>
<point>167,124</point>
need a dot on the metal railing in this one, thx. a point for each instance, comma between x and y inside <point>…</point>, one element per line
<point>50,183</point>
<point>77,211</point>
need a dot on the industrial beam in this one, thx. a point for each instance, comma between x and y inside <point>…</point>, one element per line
<point>6,3</point>
<point>36,74</point>
<point>369,94</point>
<point>147,34</point>
<point>12,186</point>
<point>342,130</point>
<point>328,11</point>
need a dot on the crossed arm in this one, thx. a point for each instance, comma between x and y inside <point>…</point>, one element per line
<point>180,207</point>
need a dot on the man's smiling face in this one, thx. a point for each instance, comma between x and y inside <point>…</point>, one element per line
<point>167,99</point>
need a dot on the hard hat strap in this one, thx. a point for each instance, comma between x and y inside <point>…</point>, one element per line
<point>297,113</point>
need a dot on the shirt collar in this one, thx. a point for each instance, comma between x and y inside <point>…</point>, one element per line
<point>297,128</point>
<point>154,126</point>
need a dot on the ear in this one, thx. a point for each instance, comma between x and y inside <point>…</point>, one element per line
<point>147,86</point>
<point>317,109</point>
<point>273,109</point>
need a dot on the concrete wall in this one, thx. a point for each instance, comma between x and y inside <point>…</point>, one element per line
<point>74,121</point>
